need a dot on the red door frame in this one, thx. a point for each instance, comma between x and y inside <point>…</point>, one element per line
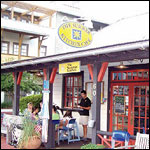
<point>131,102</point>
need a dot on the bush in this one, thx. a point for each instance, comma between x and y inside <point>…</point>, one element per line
<point>6,104</point>
<point>92,146</point>
<point>35,99</point>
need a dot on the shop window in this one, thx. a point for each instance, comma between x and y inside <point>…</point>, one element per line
<point>4,47</point>
<point>73,87</point>
<point>130,75</point>
<point>24,49</point>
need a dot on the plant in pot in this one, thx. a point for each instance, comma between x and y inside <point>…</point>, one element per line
<point>29,139</point>
<point>92,146</point>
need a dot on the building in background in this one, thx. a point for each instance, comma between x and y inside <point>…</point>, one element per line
<point>29,29</point>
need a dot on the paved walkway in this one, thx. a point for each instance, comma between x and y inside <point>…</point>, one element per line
<point>4,145</point>
<point>63,145</point>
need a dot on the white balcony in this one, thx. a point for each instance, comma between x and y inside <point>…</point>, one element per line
<point>30,28</point>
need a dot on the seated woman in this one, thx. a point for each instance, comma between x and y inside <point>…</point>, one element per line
<point>34,114</point>
<point>55,115</point>
<point>66,118</point>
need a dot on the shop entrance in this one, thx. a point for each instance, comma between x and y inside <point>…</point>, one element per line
<point>134,87</point>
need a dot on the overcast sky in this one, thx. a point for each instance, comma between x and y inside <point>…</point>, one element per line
<point>111,11</point>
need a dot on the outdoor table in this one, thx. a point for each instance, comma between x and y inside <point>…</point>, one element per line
<point>72,109</point>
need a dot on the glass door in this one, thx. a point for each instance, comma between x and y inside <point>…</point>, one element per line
<point>140,108</point>
<point>120,121</point>
<point>136,115</point>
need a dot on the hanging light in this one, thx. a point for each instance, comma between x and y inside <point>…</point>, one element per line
<point>121,66</point>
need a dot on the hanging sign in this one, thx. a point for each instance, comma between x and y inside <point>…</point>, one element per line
<point>69,67</point>
<point>75,34</point>
<point>119,104</point>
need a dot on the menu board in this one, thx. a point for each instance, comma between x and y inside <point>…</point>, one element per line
<point>119,106</point>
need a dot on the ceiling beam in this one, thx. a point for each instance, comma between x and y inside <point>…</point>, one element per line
<point>42,17</point>
<point>2,10</point>
<point>28,11</point>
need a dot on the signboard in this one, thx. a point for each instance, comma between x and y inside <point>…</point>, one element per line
<point>75,34</point>
<point>119,104</point>
<point>46,85</point>
<point>69,67</point>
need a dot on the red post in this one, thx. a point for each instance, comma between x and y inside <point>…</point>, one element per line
<point>45,76</point>
<point>90,68</point>
<point>19,78</point>
<point>53,74</point>
<point>102,71</point>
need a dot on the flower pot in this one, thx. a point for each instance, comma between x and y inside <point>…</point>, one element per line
<point>33,143</point>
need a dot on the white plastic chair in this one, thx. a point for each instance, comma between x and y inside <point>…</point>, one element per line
<point>142,142</point>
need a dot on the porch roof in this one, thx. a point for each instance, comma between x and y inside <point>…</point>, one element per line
<point>121,52</point>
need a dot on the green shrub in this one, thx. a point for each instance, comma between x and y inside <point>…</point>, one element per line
<point>92,146</point>
<point>35,99</point>
<point>6,104</point>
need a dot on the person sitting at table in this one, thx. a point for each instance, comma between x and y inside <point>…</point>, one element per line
<point>55,115</point>
<point>28,110</point>
<point>65,120</point>
<point>35,112</point>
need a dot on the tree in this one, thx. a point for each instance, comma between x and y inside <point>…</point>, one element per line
<point>29,83</point>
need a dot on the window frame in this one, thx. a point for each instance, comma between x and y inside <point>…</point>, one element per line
<point>45,50</point>
<point>15,43</point>
<point>63,87</point>
<point>7,42</point>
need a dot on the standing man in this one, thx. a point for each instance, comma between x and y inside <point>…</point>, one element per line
<point>85,104</point>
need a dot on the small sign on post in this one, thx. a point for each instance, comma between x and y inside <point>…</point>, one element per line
<point>119,104</point>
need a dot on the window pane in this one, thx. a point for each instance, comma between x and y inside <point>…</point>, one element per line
<point>136,122</point>
<point>142,101</point>
<point>126,90</point>
<point>4,48</point>
<point>143,90</point>
<point>140,75</point>
<point>80,81</point>
<point>114,76</point>
<point>75,81</point>
<point>147,112</point>
<point>142,112</point>
<point>136,101</point>
<point>142,122</point>
<point>115,90</point>
<point>120,90</point>
<point>134,75</point>
<point>145,74</point>
<point>129,76</point>
<point>124,76</point>
<point>137,90</point>
<point>136,111</point>
<point>119,76</point>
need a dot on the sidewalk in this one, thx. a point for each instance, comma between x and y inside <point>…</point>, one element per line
<point>4,145</point>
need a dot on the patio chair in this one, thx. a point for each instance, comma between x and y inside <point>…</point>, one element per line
<point>142,142</point>
<point>70,137</point>
<point>120,136</point>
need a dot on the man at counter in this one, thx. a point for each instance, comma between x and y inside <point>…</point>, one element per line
<point>85,104</point>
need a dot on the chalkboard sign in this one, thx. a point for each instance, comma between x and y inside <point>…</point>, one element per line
<point>119,104</point>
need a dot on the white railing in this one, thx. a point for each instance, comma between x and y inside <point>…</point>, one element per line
<point>25,27</point>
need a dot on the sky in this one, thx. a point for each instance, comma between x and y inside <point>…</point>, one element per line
<point>112,11</point>
<point>104,11</point>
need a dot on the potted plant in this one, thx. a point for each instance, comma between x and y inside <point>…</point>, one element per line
<point>92,146</point>
<point>29,139</point>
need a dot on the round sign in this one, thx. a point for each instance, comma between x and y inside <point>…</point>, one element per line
<point>75,34</point>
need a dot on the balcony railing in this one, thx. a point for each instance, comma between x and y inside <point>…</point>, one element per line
<point>10,57</point>
<point>30,28</point>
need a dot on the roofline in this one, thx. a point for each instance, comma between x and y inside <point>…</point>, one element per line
<point>78,54</point>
